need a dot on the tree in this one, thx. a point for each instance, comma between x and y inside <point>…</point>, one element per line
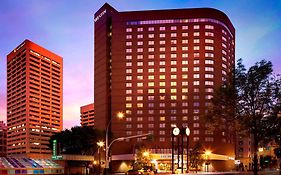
<point>247,103</point>
<point>195,156</point>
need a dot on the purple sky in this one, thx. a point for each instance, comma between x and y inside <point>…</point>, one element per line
<point>66,28</point>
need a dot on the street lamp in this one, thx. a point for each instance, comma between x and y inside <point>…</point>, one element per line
<point>100,145</point>
<point>187,132</point>
<point>207,154</point>
<point>119,115</point>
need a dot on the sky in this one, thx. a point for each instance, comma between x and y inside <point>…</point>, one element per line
<point>65,27</point>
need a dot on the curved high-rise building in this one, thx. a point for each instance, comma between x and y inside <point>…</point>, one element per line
<point>161,68</point>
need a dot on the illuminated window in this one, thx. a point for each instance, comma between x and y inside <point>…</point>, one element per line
<point>208,97</point>
<point>151,77</point>
<point>196,125</point>
<point>196,27</point>
<point>128,105</point>
<point>128,98</point>
<point>209,27</point>
<point>128,84</point>
<point>196,41</point>
<point>196,132</point>
<point>150,42</point>
<point>184,55</point>
<point>162,63</point>
<point>184,83</point>
<point>140,29</point>
<point>173,97</point>
<point>128,36</point>
<point>173,83</point>
<point>196,34</point>
<point>140,50</point>
<point>161,111</point>
<point>140,36</point>
<point>224,52</point>
<point>209,41</point>
<point>139,70</point>
<point>139,125</point>
<point>162,49</point>
<point>196,104</point>
<point>162,77</point>
<point>128,71</point>
<point>150,112</point>
<point>184,69</point>
<point>139,57</point>
<point>150,125</point>
<point>173,55</point>
<point>150,35</point>
<point>173,76</point>
<point>209,69</point>
<point>150,28</point>
<point>173,34</point>
<point>162,42</point>
<point>196,69</point>
<point>209,76</point>
<point>173,48</point>
<point>173,90</point>
<point>209,90</point>
<point>140,84</point>
<point>184,76</point>
<point>196,55</point>
<point>162,35</point>
<point>139,98</point>
<point>128,126</point>
<point>184,90</point>
<point>162,83</point>
<point>224,39</point>
<point>150,56</point>
<point>162,70</point>
<point>173,69</point>
<point>223,45</point>
<point>209,83</point>
<point>139,77</point>
<point>209,139</point>
<point>128,91</point>
<point>162,139</point>
<point>195,139</point>
<point>196,62</point>
<point>209,48</point>
<point>184,118</point>
<point>196,76</point>
<point>184,27</point>
<point>128,50</point>
<point>173,62</point>
<point>173,41</point>
<point>140,63</point>
<point>196,117</point>
<point>150,91</point>
<point>196,83</point>
<point>162,105</point>
<point>162,55</point>
<point>185,41</point>
<point>151,84</point>
<point>162,118</point>
<point>173,27</point>
<point>162,28</point>
<point>128,29</point>
<point>150,70</point>
<point>128,43</point>
<point>128,77</point>
<point>150,97</point>
<point>209,55</point>
<point>140,43</point>
<point>184,97</point>
<point>185,48</point>
<point>185,34</point>
<point>161,90</point>
<point>209,34</point>
<point>139,105</point>
<point>209,61</point>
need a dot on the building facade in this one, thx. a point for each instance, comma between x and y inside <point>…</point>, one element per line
<point>161,67</point>
<point>34,94</point>
<point>3,139</point>
<point>87,115</point>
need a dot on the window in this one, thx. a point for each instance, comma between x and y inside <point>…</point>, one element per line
<point>128,71</point>
<point>184,62</point>
<point>185,41</point>
<point>184,27</point>
<point>196,125</point>
<point>150,97</point>
<point>128,98</point>
<point>184,76</point>
<point>162,28</point>
<point>173,48</point>
<point>140,77</point>
<point>209,61</point>
<point>128,57</point>
<point>209,139</point>
<point>209,34</point>
<point>162,125</point>
<point>209,76</point>
<point>196,83</point>
<point>150,84</point>
<point>162,42</point>
<point>195,61</point>
<point>150,29</point>
<point>196,69</point>
<point>209,48</point>
<point>162,63</point>
<point>209,90</point>
<point>173,76</point>
<point>162,49</point>
<point>162,83</point>
<point>140,63</point>
<point>162,35</point>
<point>162,56</point>
<point>196,76</point>
<point>128,29</point>
<point>139,98</point>
<point>195,47</point>
<point>151,49</point>
<point>162,70</point>
<point>162,77</point>
<point>196,27</point>
<point>173,41</point>
<point>184,55</point>
<point>128,64</point>
<point>196,55</point>
<point>209,27</point>
<point>140,43</point>
<point>140,36</point>
<point>128,77</point>
<point>139,57</point>
<point>185,48</point>
<point>173,62</point>
<point>150,63</point>
<point>140,50</point>
<point>196,34</point>
<point>185,34</point>
<point>128,91</point>
<point>173,83</point>
<point>139,125</point>
<point>196,41</point>
<point>209,41</point>
<point>209,55</point>
<point>196,132</point>
<point>140,84</point>
<point>140,29</point>
<point>173,69</point>
<point>173,34</point>
<point>128,50</point>
<point>184,90</point>
<point>161,90</point>
<point>173,27</point>
<point>128,43</point>
<point>139,70</point>
<point>209,83</point>
<point>150,35</point>
<point>209,69</point>
<point>128,36</point>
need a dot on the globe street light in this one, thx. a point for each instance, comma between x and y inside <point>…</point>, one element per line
<point>207,154</point>
<point>187,132</point>
<point>119,115</point>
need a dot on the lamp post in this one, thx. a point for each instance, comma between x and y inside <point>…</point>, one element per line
<point>100,145</point>
<point>176,131</point>
<point>187,132</point>
<point>120,115</point>
<point>207,153</point>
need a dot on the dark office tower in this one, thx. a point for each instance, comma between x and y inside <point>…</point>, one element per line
<point>34,106</point>
<point>87,115</point>
<point>161,68</point>
<point>3,139</point>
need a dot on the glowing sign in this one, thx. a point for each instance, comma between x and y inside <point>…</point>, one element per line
<point>100,15</point>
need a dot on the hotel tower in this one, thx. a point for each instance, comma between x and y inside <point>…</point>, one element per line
<point>34,94</point>
<point>161,68</point>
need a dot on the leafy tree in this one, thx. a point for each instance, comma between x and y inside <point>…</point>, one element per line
<point>247,103</point>
<point>195,156</point>
<point>78,140</point>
